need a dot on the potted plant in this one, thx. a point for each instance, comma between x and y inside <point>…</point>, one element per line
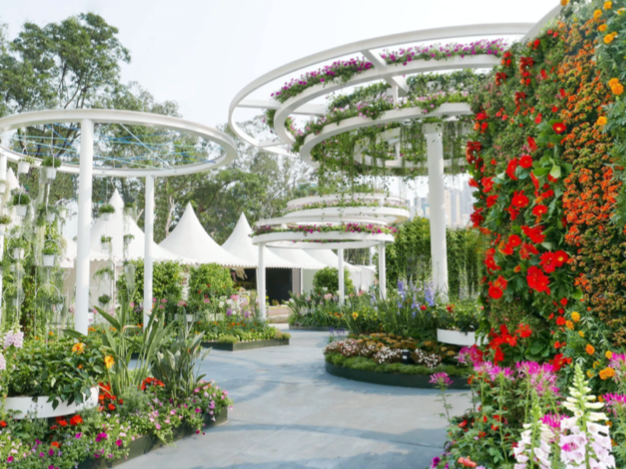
<point>20,201</point>
<point>105,274</point>
<point>129,208</point>
<point>4,221</point>
<point>106,243</point>
<point>23,166</point>
<point>50,252</point>
<point>104,300</point>
<point>51,164</point>
<point>456,324</point>
<point>18,246</point>
<point>105,211</point>
<point>62,210</point>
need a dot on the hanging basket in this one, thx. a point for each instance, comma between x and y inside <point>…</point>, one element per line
<point>48,260</point>
<point>23,167</point>
<point>18,253</point>
<point>105,216</point>
<point>21,210</point>
<point>3,229</point>
<point>50,217</point>
<point>51,173</point>
<point>3,187</point>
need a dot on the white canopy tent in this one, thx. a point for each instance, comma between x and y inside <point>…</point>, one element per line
<point>240,244</point>
<point>190,240</point>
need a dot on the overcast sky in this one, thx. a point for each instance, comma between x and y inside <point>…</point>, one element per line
<point>200,53</point>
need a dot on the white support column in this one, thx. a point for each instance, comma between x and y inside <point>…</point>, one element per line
<point>260,281</point>
<point>149,239</point>
<point>382,271</point>
<point>3,177</point>
<point>81,314</point>
<point>437,199</point>
<point>342,281</point>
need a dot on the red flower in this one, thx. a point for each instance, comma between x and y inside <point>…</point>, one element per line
<point>519,199</point>
<point>532,144</point>
<point>491,200</point>
<point>111,407</point>
<point>526,250</point>
<point>498,355</point>
<point>3,423</point>
<point>537,280</point>
<point>555,109</point>
<point>548,262</point>
<point>55,444</point>
<point>559,361</point>
<point>472,183</point>
<point>563,302</point>
<point>476,217</point>
<point>510,169</point>
<point>481,116</point>
<point>514,241</point>
<point>535,234</point>
<point>559,127</point>
<point>560,321</point>
<point>76,420</point>
<point>526,161</point>
<point>540,210</point>
<point>487,184</point>
<point>495,292</point>
<point>561,257</point>
<point>490,262</point>
<point>524,331</point>
<point>423,307</point>
<point>538,119</point>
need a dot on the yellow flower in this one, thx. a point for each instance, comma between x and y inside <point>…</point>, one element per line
<point>607,373</point>
<point>601,121</point>
<point>78,348</point>
<point>621,10</point>
<point>608,5</point>
<point>595,364</point>
<point>570,325</point>
<point>608,354</point>
<point>581,333</point>
<point>355,315</point>
<point>597,14</point>
<point>564,2</point>
<point>609,38</point>
<point>590,349</point>
<point>108,361</point>
<point>590,373</point>
<point>575,316</point>
<point>602,28</point>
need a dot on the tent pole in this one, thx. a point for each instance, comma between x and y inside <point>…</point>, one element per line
<point>260,282</point>
<point>85,187</point>
<point>342,286</point>
<point>382,271</point>
<point>149,238</point>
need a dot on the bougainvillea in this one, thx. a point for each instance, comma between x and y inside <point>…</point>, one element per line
<point>541,158</point>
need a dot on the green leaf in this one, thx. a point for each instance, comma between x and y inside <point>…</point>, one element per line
<point>555,172</point>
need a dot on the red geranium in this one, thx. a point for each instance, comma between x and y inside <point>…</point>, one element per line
<point>537,280</point>
<point>524,331</point>
<point>535,234</point>
<point>487,184</point>
<point>510,169</point>
<point>560,258</point>
<point>519,199</point>
<point>559,127</point>
<point>526,250</point>
<point>548,262</point>
<point>531,143</point>
<point>76,420</point>
<point>560,321</point>
<point>472,183</point>
<point>491,200</point>
<point>540,210</point>
<point>514,240</point>
<point>559,361</point>
<point>526,161</point>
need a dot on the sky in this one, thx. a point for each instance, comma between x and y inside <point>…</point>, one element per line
<point>201,53</point>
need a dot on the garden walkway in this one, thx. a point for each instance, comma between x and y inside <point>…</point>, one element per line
<point>289,413</point>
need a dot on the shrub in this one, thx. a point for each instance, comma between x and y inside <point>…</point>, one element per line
<point>210,280</point>
<point>328,278</point>
<point>166,282</point>
<point>227,339</point>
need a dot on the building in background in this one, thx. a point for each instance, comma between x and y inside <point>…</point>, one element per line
<point>458,206</point>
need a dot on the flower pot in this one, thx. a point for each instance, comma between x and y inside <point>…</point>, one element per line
<point>48,260</point>
<point>50,217</point>
<point>51,173</point>
<point>105,216</point>
<point>21,210</point>
<point>23,167</point>
<point>3,229</point>
<point>43,409</point>
<point>62,212</point>
<point>18,253</point>
<point>466,339</point>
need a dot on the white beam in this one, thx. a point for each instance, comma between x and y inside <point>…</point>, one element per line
<point>379,63</point>
<point>437,201</point>
<point>85,186</point>
<point>149,239</point>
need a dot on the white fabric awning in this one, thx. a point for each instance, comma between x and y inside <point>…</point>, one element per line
<point>298,257</point>
<point>189,239</point>
<point>240,244</point>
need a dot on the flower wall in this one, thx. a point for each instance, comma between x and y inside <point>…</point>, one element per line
<point>542,159</point>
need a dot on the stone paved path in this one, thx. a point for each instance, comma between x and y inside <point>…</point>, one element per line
<point>289,413</point>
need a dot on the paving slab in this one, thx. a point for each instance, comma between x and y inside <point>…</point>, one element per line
<point>290,413</point>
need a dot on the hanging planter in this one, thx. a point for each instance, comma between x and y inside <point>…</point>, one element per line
<point>21,201</point>
<point>106,242</point>
<point>18,253</point>
<point>51,164</point>
<point>4,221</point>
<point>104,274</point>
<point>49,260</point>
<point>23,166</point>
<point>105,211</point>
<point>50,217</point>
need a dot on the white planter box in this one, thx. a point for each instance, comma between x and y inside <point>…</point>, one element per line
<point>51,173</point>
<point>21,210</point>
<point>48,261</point>
<point>466,339</point>
<point>23,167</point>
<point>50,217</point>
<point>43,409</point>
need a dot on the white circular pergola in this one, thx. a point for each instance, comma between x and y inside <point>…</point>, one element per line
<point>86,170</point>
<point>373,212</point>
<point>303,104</point>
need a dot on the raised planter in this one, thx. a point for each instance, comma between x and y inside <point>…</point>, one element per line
<point>391,379</point>
<point>246,345</point>
<point>309,328</point>
<point>466,339</point>
<point>43,409</point>
<point>145,444</point>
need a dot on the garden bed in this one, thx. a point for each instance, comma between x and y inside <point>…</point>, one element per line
<point>237,346</point>
<point>309,328</point>
<point>148,443</point>
<point>391,379</point>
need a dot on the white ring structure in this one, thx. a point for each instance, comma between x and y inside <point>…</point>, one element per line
<point>342,240</point>
<point>113,116</point>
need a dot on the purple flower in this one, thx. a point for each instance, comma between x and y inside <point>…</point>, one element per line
<point>101,436</point>
<point>78,435</point>
<point>440,379</point>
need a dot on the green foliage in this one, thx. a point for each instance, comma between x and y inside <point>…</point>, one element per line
<point>106,208</point>
<point>5,219</point>
<point>51,162</point>
<point>166,282</point>
<point>409,257</point>
<point>227,339</point>
<point>20,198</point>
<point>367,364</point>
<point>327,280</point>
<point>209,281</point>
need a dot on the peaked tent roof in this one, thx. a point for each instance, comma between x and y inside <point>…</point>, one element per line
<point>118,226</point>
<point>298,257</point>
<point>240,244</point>
<point>189,239</point>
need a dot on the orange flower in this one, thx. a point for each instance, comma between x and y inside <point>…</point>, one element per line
<point>607,373</point>
<point>569,325</point>
<point>590,349</point>
<point>76,420</point>
<point>575,316</point>
<point>609,38</point>
<point>601,121</point>
<point>597,14</point>
<point>55,444</point>
<point>78,348</point>
<point>608,5</point>
<point>602,28</point>
<point>109,361</point>
<point>564,2</point>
